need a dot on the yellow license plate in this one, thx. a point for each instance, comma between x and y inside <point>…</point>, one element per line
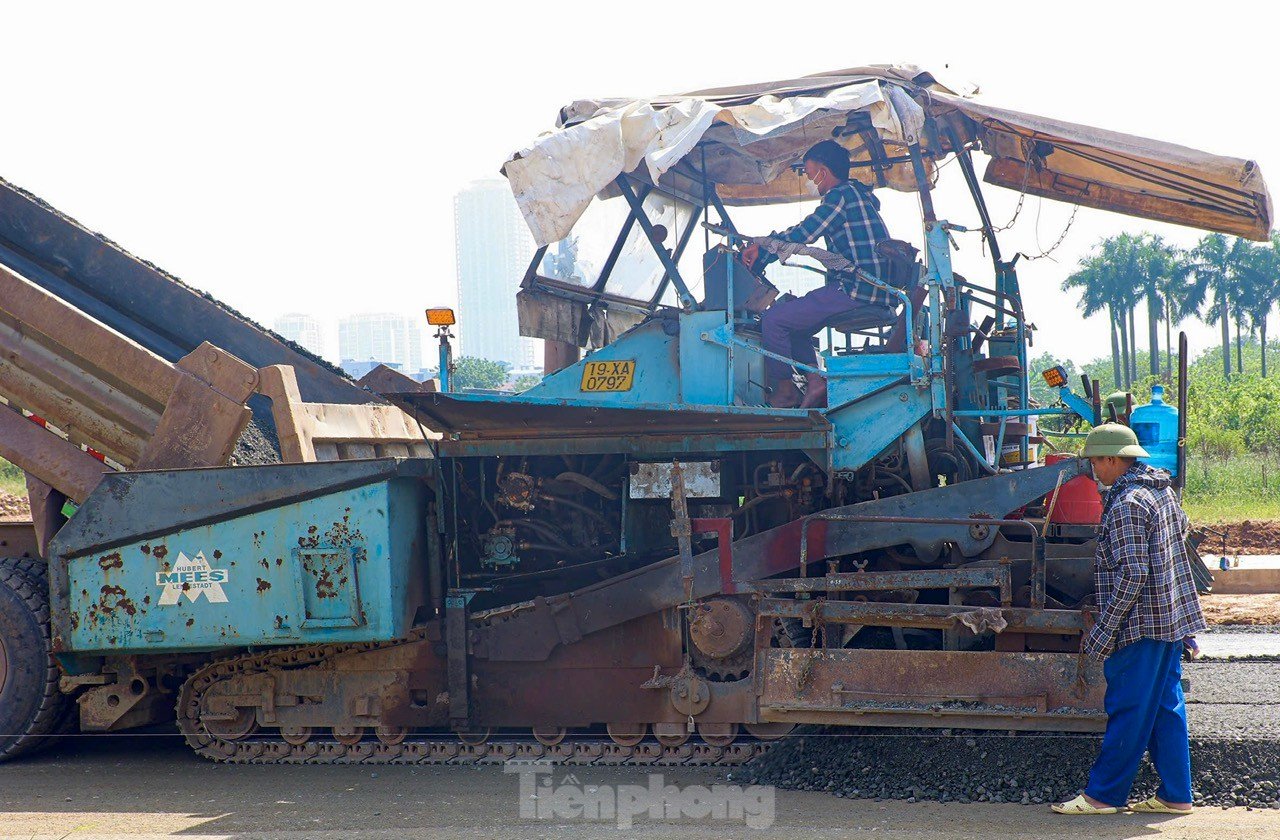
<point>608,376</point>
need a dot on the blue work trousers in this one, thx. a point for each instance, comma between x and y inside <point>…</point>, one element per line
<point>1145,712</point>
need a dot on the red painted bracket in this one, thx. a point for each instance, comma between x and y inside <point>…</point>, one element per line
<point>723,528</point>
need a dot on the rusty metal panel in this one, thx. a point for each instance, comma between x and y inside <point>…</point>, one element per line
<point>601,678</point>
<point>933,616</point>
<point>54,461</point>
<point>497,417</point>
<point>653,480</point>
<point>987,689</point>
<point>18,539</point>
<point>215,558</point>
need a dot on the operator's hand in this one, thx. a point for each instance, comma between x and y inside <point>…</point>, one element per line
<point>750,254</point>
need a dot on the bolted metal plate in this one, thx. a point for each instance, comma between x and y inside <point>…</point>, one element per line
<point>973,689</point>
<point>653,480</point>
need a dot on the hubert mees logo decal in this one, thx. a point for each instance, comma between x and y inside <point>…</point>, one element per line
<point>191,576</point>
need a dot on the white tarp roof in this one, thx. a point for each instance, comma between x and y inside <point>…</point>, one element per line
<point>745,140</point>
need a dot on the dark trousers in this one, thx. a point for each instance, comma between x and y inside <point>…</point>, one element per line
<point>788,328</point>
<point>1146,712</point>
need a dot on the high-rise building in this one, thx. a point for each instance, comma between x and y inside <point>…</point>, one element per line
<point>493,250</point>
<point>301,329</point>
<point>385,337</point>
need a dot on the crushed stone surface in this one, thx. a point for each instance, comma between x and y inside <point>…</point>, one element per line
<point>1234,714</point>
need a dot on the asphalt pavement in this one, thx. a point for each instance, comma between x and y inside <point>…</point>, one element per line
<point>144,786</point>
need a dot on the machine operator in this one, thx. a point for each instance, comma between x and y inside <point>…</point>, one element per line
<point>849,219</point>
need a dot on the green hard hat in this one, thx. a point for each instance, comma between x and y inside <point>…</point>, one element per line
<point>1113,439</point>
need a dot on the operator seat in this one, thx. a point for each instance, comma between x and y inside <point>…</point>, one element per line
<point>903,271</point>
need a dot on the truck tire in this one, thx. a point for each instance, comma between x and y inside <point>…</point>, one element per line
<point>32,567</point>
<point>31,706</point>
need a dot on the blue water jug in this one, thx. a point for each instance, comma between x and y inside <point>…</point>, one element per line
<point>1156,426</point>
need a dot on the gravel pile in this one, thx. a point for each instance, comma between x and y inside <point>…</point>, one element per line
<point>13,507</point>
<point>258,443</point>
<point>983,767</point>
<point>1233,710</point>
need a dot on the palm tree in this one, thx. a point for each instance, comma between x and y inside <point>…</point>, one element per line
<point>1106,280</point>
<point>1125,255</point>
<point>1214,270</point>
<point>1095,279</point>
<point>1175,286</point>
<point>1259,273</point>
<point>1161,273</point>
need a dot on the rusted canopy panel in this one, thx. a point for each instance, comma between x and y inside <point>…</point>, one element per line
<point>1122,173</point>
<point>745,140</point>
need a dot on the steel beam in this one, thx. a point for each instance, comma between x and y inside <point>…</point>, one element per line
<point>927,616</point>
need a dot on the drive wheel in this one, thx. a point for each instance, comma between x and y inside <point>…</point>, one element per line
<point>626,734</point>
<point>348,736</point>
<point>237,728</point>
<point>718,734</point>
<point>549,736</point>
<point>671,734</point>
<point>31,705</point>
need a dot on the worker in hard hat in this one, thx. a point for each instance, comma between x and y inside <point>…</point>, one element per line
<point>849,220</point>
<point>1147,605</point>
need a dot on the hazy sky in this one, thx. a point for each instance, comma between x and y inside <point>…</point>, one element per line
<point>304,156</point>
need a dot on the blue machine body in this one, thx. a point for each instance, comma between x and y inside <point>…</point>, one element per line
<point>709,364</point>
<point>195,560</point>
<point>327,552</point>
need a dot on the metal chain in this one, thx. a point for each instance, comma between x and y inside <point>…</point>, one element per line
<point>1022,191</point>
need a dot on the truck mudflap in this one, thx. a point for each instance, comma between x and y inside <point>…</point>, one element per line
<point>930,688</point>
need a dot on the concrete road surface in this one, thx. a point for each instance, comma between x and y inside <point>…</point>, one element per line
<point>149,786</point>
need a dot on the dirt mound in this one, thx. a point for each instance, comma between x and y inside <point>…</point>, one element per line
<point>14,508</point>
<point>1246,537</point>
<point>1241,609</point>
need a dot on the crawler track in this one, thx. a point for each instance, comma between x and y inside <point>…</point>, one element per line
<point>269,747</point>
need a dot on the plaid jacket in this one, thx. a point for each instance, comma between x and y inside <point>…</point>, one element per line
<point>1142,572</point>
<point>849,219</point>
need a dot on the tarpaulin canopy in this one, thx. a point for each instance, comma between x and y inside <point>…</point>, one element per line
<point>745,141</point>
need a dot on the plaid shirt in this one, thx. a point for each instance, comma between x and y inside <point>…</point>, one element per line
<point>849,219</point>
<point>1142,573</point>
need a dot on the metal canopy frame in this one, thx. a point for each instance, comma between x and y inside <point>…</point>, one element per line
<point>634,191</point>
<point>939,138</point>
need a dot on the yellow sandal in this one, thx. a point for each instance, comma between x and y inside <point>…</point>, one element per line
<point>1155,806</point>
<point>1080,806</point>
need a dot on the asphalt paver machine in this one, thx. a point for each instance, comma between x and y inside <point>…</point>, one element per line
<point>636,560</point>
